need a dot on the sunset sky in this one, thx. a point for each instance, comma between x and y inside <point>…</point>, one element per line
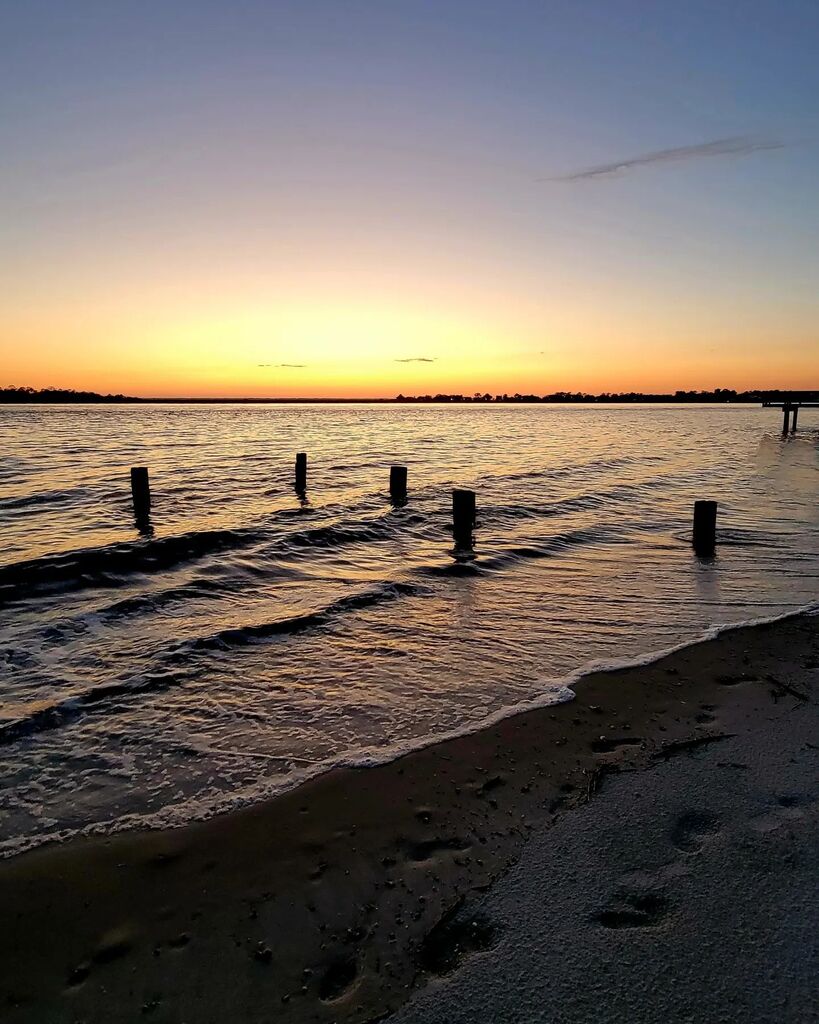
<point>335,197</point>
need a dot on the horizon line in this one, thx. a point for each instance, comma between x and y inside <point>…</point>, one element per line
<point>712,395</point>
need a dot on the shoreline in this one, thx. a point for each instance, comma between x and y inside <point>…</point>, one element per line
<point>686,893</point>
<point>165,819</point>
<point>330,902</point>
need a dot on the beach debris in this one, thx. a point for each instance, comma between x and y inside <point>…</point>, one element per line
<point>595,781</point>
<point>78,975</point>
<point>682,746</point>
<point>787,688</point>
<point>608,744</point>
<point>263,953</point>
<point>494,783</point>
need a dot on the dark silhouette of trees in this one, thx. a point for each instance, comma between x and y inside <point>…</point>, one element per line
<point>15,395</point>
<point>19,395</point>
<point>718,395</point>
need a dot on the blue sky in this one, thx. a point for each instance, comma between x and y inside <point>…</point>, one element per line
<point>186,157</point>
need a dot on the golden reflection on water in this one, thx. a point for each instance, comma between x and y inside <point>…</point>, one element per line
<point>258,633</point>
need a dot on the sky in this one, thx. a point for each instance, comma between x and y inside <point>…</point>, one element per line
<point>357,198</point>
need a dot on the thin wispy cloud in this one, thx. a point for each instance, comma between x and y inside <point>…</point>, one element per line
<point>740,145</point>
<point>283,366</point>
<point>415,359</point>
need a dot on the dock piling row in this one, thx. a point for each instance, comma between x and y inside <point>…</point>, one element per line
<point>463,505</point>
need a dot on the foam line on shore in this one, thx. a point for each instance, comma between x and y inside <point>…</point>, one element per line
<point>556,691</point>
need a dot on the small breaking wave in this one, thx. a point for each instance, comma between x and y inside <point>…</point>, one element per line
<point>43,716</point>
<point>46,499</point>
<point>107,566</point>
<point>576,468</point>
<point>240,636</point>
<point>554,690</point>
<point>473,564</point>
<point>337,535</point>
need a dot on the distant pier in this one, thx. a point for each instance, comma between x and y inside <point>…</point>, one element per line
<point>790,405</point>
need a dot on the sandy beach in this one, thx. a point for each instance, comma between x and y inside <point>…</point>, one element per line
<point>409,538</point>
<point>661,822</point>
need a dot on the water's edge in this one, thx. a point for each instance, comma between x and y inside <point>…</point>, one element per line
<point>556,691</point>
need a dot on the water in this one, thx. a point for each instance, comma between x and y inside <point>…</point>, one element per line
<point>256,638</point>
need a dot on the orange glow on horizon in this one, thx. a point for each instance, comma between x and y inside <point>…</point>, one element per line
<point>374,356</point>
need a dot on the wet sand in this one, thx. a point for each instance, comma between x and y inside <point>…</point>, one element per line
<point>335,902</point>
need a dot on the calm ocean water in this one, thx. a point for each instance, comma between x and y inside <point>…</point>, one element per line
<point>256,638</point>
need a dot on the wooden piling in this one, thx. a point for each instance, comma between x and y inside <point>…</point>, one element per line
<point>786,418</point>
<point>793,421</point>
<point>301,472</point>
<point>398,482</point>
<point>705,527</point>
<point>140,492</point>
<point>463,515</point>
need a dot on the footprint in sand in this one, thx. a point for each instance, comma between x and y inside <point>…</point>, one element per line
<point>790,809</point>
<point>734,679</point>
<point>456,937</point>
<point>428,849</point>
<point>635,906</point>
<point>113,946</point>
<point>634,910</point>
<point>338,979</point>
<point>691,830</point>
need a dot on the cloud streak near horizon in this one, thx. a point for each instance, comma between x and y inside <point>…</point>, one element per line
<point>739,145</point>
<point>283,366</point>
<point>415,359</point>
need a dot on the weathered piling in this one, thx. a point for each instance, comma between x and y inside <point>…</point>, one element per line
<point>463,515</point>
<point>301,472</point>
<point>398,482</point>
<point>140,492</point>
<point>786,417</point>
<point>793,421</point>
<point>705,527</point>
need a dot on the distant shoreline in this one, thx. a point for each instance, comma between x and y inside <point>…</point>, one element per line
<point>23,396</point>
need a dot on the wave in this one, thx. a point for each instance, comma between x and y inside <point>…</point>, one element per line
<point>240,636</point>
<point>141,603</point>
<point>560,472</point>
<point>43,716</point>
<point>47,498</point>
<point>471,563</point>
<point>554,691</point>
<point>354,532</point>
<point>587,502</point>
<point>111,564</point>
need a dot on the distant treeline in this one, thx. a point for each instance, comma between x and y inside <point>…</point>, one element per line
<point>59,395</point>
<point>718,395</point>
<point>68,396</point>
